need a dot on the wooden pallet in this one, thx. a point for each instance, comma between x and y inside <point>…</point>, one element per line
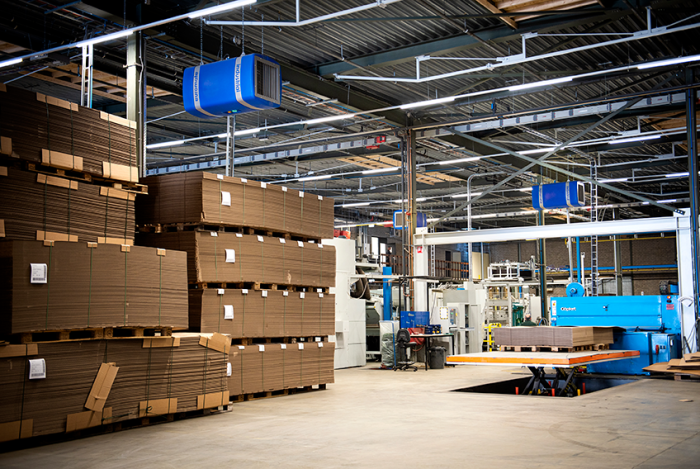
<point>83,176</point>
<point>277,340</point>
<point>196,226</point>
<point>542,348</point>
<point>257,286</point>
<point>91,333</point>
<point>278,393</point>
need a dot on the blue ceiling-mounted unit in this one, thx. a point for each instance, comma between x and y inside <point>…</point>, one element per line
<point>559,195</point>
<point>248,83</point>
<point>421,220</point>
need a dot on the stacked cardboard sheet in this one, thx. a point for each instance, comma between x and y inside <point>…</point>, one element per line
<point>688,365</point>
<point>199,197</point>
<point>64,135</point>
<point>38,206</point>
<point>545,336</point>
<point>57,387</point>
<point>62,285</point>
<point>233,257</point>
<point>273,367</point>
<point>266,313</point>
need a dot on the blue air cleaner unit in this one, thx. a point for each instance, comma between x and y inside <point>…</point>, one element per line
<point>249,83</point>
<point>559,195</point>
<point>421,220</point>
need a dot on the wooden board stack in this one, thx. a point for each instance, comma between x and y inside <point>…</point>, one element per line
<point>257,272</point>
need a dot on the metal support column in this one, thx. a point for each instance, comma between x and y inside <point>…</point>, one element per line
<point>415,286</point>
<point>693,168</point>
<point>594,239</point>
<point>86,76</point>
<point>543,264</point>
<point>136,94</point>
<point>618,262</point>
<point>230,144</point>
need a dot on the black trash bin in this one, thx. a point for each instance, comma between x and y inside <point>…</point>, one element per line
<point>437,358</point>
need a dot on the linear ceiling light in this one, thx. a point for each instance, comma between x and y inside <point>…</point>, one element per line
<point>106,38</point>
<point>247,131</point>
<point>315,178</point>
<point>465,195</point>
<point>677,175</point>
<point>358,204</point>
<point>221,8</point>
<point>607,181</point>
<point>635,139</point>
<point>165,144</point>
<point>536,84</point>
<point>7,63</point>
<point>463,160</point>
<point>663,63</point>
<point>329,119</point>
<point>536,150</point>
<point>429,102</point>
<point>380,170</point>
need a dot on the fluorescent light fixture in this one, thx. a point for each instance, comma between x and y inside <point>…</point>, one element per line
<point>463,160</point>
<point>358,204</point>
<point>535,84</point>
<point>635,139</point>
<point>667,201</point>
<point>421,199</point>
<point>677,175</point>
<point>536,150</point>
<point>221,8</point>
<point>380,170</point>
<point>663,63</point>
<point>247,131</point>
<point>329,118</point>
<point>7,63</point>
<point>429,102</point>
<point>458,196</point>
<point>315,178</point>
<point>106,38</point>
<point>174,143</point>
<point>526,189</point>
<point>398,201</point>
<point>606,181</point>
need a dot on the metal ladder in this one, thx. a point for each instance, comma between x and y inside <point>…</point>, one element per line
<point>594,239</point>
<point>432,255</point>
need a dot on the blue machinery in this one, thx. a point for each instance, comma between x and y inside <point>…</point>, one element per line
<point>650,324</point>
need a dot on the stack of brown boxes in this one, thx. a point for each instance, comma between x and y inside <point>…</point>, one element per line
<point>556,337</point>
<point>257,272</point>
<point>91,311</point>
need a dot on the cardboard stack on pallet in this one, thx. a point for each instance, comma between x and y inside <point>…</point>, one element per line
<point>566,338</point>
<point>257,272</point>
<point>85,317</point>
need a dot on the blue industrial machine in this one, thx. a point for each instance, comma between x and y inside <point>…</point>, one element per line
<point>244,84</point>
<point>421,220</point>
<point>559,195</point>
<point>650,324</point>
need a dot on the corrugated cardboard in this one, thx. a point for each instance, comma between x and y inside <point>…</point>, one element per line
<point>101,387</point>
<point>160,342</point>
<point>24,350</point>
<point>87,419</point>
<point>15,430</point>
<point>157,407</point>
<point>214,399</point>
<point>61,160</point>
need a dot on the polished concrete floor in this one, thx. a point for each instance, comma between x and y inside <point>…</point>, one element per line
<point>373,418</point>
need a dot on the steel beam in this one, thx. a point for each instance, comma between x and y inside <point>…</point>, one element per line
<point>135,94</point>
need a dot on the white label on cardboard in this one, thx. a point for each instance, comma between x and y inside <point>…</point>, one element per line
<point>219,176</point>
<point>244,180</point>
<point>285,293</point>
<point>311,241</point>
<point>244,291</point>
<point>239,235</point>
<point>318,339</point>
<point>301,346</point>
<point>301,194</point>
<point>228,369</point>
<point>231,256</point>
<point>284,189</point>
<point>214,233</point>
<point>283,346</point>
<point>261,239</point>
<point>39,273</point>
<point>241,347</point>
<point>228,312</point>
<point>283,241</point>
<point>226,198</point>
<point>302,295</point>
<point>264,293</point>
<point>320,344</point>
<point>220,291</point>
<point>320,197</point>
<point>37,368</point>
<point>301,244</point>
<point>320,246</point>
<point>261,347</point>
<point>320,295</point>
<point>263,185</point>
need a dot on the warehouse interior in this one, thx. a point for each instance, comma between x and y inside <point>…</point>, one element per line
<point>371,232</point>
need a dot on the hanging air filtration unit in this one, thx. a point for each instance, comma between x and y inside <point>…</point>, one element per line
<point>248,83</point>
<point>559,195</point>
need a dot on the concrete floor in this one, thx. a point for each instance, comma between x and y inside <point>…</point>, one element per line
<point>372,418</point>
